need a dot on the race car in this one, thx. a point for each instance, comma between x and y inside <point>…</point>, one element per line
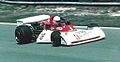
<point>55,30</point>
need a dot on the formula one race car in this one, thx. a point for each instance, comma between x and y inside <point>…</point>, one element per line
<point>55,30</point>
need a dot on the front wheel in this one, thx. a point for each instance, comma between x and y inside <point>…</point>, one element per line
<point>56,39</point>
<point>23,34</point>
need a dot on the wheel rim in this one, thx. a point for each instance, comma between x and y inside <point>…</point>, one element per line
<point>17,36</point>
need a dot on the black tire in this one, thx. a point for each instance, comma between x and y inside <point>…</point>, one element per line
<point>56,39</point>
<point>23,34</point>
<point>93,25</point>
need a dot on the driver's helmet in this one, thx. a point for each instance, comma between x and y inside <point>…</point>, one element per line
<point>56,18</point>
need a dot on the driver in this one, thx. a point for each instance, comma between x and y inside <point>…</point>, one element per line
<point>53,22</point>
<point>57,19</point>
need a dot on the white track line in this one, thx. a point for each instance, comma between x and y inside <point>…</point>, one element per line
<point>111,28</point>
<point>117,28</point>
<point>5,23</point>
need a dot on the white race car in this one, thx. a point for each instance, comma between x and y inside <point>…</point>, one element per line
<point>43,29</point>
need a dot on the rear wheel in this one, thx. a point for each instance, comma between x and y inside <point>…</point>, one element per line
<point>56,39</point>
<point>23,34</point>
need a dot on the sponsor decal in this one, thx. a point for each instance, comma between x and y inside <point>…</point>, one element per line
<point>78,35</point>
<point>42,35</point>
<point>86,39</point>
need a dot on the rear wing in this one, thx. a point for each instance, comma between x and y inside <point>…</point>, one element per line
<point>32,19</point>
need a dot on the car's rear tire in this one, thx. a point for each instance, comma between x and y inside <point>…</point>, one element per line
<point>23,34</point>
<point>56,39</point>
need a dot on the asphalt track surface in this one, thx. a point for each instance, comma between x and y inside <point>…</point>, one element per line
<point>106,50</point>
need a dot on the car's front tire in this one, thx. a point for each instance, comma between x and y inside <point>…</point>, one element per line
<point>56,39</point>
<point>23,34</point>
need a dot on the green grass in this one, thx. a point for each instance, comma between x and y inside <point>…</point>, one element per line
<point>78,15</point>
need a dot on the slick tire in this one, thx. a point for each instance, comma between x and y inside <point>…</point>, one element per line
<point>56,39</point>
<point>23,34</point>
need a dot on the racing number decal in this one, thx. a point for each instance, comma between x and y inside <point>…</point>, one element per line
<point>59,28</point>
<point>42,35</point>
<point>77,37</point>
